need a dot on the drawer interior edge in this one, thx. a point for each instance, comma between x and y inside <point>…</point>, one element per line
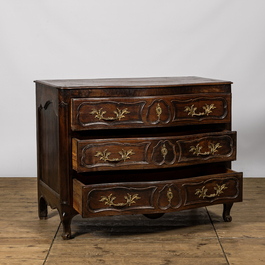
<point>144,176</point>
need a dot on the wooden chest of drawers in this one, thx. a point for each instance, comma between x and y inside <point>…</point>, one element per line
<point>134,146</point>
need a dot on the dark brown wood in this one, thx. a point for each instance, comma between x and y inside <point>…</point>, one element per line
<point>147,152</point>
<point>134,146</point>
<point>131,112</point>
<point>157,196</point>
<point>226,212</point>
<point>132,82</point>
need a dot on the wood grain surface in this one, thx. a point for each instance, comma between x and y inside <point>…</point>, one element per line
<point>156,124</point>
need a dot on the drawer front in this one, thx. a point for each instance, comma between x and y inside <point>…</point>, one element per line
<point>163,196</point>
<point>120,198</point>
<point>211,190</point>
<point>200,109</point>
<point>102,113</point>
<point>145,153</point>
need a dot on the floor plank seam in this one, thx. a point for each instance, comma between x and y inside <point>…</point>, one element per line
<point>50,248</point>
<point>217,236</point>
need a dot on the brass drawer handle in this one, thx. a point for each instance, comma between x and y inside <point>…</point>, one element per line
<point>197,149</point>
<point>100,114</point>
<point>203,191</point>
<point>192,110</point>
<point>105,155</point>
<point>130,199</point>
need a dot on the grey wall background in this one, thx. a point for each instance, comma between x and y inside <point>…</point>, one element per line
<point>56,39</point>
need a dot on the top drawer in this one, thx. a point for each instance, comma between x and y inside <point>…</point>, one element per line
<point>137,112</point>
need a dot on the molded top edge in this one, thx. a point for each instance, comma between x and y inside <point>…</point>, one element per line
<point>150,82</point>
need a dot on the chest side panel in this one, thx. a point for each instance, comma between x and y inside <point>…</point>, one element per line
<point>48,136</point>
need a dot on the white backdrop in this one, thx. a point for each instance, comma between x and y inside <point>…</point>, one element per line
<point>54,39</point>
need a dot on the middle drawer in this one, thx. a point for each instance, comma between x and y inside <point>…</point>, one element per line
<point>152,152</point>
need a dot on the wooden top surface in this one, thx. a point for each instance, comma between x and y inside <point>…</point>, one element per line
<point>151,82</point>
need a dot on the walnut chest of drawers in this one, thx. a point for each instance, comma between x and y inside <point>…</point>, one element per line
<point>134,146</point>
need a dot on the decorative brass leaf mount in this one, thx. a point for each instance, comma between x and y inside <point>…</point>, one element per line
<point>130,199</point>
<point>192,110</point>
<point>202,193</point>
<point>99,114</point>
<point>105,155</point>
<point>197,149</point>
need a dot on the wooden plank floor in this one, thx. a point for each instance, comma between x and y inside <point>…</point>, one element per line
<point>190,237</point>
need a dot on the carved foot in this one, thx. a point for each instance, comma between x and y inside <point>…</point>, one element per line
<point>66,235</point>
<point>43,212</point>
<point>226,212</point>
<point>66,222</point>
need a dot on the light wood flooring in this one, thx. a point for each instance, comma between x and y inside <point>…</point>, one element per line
<point>190,237</point>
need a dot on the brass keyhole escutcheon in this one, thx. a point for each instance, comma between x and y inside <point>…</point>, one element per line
<point>158,111</point>
<point>169,195</point>
<point>164,151</point>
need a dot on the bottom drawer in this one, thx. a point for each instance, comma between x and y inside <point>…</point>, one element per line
<point>143,193</point>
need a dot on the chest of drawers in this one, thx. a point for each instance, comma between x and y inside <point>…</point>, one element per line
<point>134,146</point>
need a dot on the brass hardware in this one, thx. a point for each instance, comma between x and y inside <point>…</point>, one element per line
<point>100,114</point>
<point>130,199</point>
<point>203,191</point>
<point>169,195</point>
<point>164,151</point>
<point>105,155</point>
<point>192,110</point>
<point>197,150</point>
<point>158,111</point>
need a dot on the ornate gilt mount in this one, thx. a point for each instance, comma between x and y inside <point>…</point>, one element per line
<point>105,155</point>
<point>164,151</point>
<point>169,195</point>
<point>130,199</point>
<point>197,149</point>
<point>99,114</point>
<point>158,111</point>
<point>192,110</point>
<point>202,193</point>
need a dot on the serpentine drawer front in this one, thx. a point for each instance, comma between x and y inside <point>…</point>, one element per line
<point>156,196</point>
<point>134,146</point>
<point>171,151</point>
<point>102,113</point>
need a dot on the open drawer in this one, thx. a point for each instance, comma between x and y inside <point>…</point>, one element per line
<point>152,152</point>
<point>133,192</point>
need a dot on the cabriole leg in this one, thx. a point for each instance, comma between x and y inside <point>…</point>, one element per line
<point>226,212</point>
<point>66,222</point>
<point>43,212</point>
